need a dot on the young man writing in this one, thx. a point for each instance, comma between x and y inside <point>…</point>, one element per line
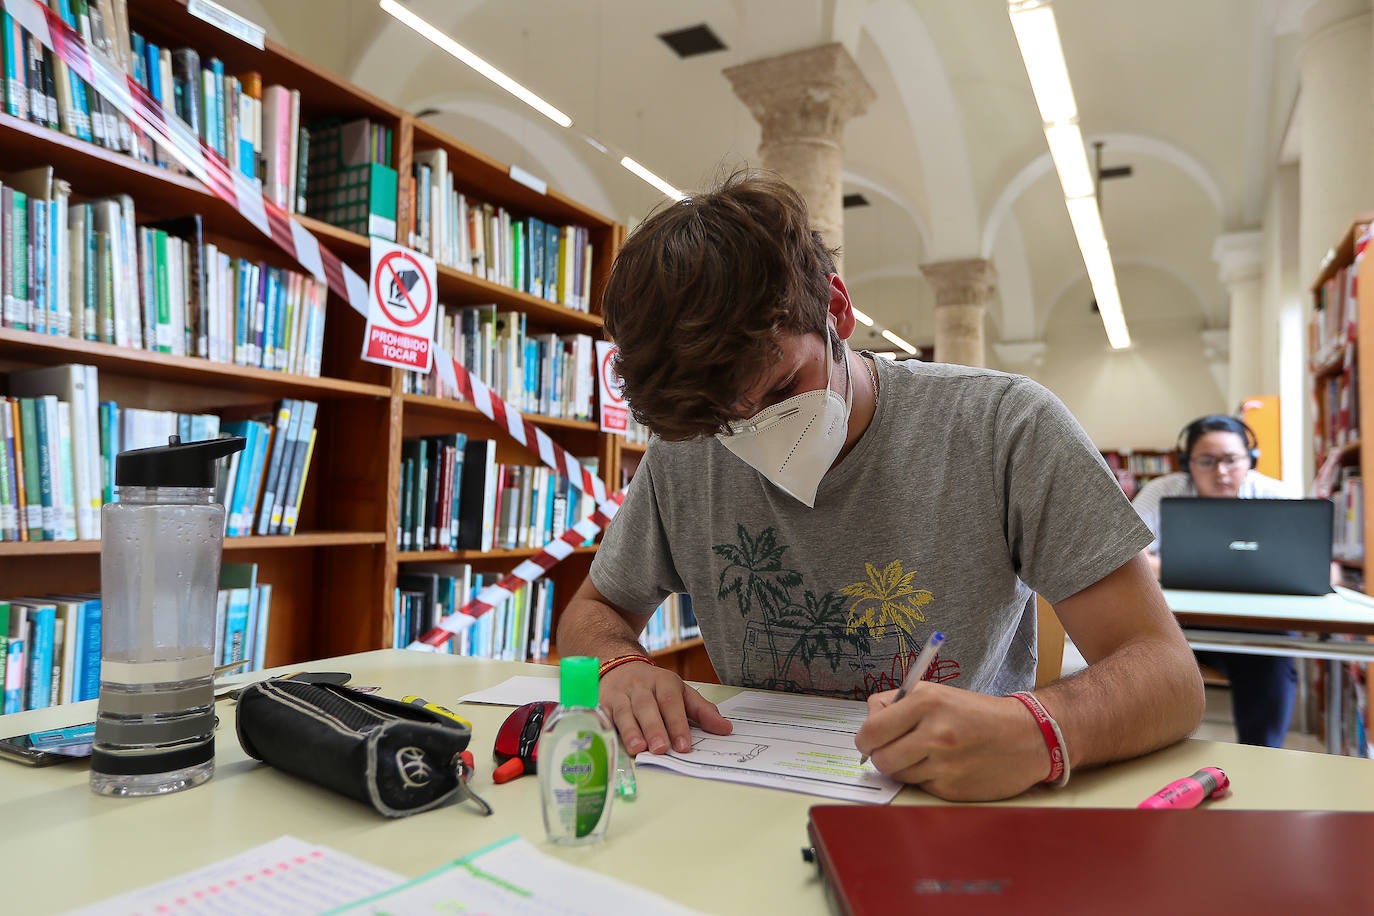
<point>828,511</point>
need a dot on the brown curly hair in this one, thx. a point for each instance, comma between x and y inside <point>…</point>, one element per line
<point>699,294</point>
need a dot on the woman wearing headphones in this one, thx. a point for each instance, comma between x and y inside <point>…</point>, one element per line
<point>1217,454</point>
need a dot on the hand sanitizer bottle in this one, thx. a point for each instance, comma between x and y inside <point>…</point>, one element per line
<point>577,758</point>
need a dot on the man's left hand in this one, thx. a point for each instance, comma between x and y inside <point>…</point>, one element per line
<point>953,743</point>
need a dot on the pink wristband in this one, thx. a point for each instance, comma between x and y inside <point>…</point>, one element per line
<point>1054,738</point>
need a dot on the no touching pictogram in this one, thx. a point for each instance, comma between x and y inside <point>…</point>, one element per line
<point>405,294</point>
<point>400,308</point>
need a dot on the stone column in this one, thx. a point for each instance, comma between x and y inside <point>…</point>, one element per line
<point>1239,257</point>
<point>962,289</point>
<point>803,100</point>
<point>1336,132</point>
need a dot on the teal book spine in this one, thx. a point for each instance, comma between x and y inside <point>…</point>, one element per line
<point>44,623</point>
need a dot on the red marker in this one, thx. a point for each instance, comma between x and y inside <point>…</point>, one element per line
<point>1190,791</point>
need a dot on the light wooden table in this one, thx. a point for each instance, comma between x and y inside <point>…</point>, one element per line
<point>718,847</point>
<point>1342,612</point>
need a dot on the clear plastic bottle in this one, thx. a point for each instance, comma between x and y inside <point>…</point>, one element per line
<point>159,571</point>
<point>577,758</point>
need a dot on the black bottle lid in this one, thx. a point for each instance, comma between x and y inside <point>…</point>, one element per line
<point>176,464</point>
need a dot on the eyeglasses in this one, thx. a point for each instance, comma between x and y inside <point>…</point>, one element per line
<point>1211,462</point>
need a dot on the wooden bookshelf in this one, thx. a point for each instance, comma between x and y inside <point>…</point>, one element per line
<point>1345,359</point>
<point>333,582</point>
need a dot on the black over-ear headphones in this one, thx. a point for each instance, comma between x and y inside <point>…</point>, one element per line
<point>1217,422</point>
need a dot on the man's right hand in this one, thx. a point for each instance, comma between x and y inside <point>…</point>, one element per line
<point>652,706</point>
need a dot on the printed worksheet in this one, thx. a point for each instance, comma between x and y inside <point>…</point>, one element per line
<point>782,741</point>
<point>513,878</point>
<point>287,876</point>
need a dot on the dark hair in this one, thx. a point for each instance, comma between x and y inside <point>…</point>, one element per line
<point>1215,423</point>
<point>699,294</point>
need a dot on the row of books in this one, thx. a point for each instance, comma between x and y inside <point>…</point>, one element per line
<point>256,129</point>
<point>670,624</point>
<point>243,610</point>
<point>456,496</point>
<point>233,114</point>
<point>516,630</point>
<point>39,86</point>
<point>1347,535</point>
<point>1336,422</point>
<point>543,259</point>
<point>547,374</point>
<point>1332,323</point>
<point>52,650</point>
<point>262,485</point>
<point>88,271</point>
<point>50,645</point>
<point>58,443</point>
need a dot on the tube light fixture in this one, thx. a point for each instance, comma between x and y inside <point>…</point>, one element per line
<point>1070,159</point>
<point>893,338</point>
<point>428,30</point>
<point>1037,35</point>
<point>652,179</point>
<point>862,317</point>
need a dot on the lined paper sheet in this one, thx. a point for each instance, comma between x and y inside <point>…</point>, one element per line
<point>784,741</point>
<point>286,877</point>
<point>513,878</point>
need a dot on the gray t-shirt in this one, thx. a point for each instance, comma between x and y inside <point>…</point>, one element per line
<point>970,489</point>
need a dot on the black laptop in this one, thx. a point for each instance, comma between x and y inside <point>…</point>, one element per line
<point>1271,546</point>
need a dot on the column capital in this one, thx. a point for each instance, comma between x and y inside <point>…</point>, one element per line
<point>1239,255</point>
<point>967,281</point>
<point>1216,343</point>
<point>1020,352</point>
<point>808,93</point>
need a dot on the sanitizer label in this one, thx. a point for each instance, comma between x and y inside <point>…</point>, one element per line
<point>584,770</point>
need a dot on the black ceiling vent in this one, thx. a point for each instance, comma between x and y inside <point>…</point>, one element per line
<point>855,200</point>
<point>699,39</point>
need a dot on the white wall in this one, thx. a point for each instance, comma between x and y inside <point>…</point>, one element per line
<point>1139,397</point>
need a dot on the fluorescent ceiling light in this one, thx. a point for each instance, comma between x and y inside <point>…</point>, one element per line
<point>652,179</point>
<point>863,318</point>
<point>1070,159</point>
<point>429,31</point>
<point>1113,320</point>
<point>1038,36</point>
<point>1087,225</point>
<point>893,338</point>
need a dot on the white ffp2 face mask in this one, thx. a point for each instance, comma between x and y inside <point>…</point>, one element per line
<point>794,442</point>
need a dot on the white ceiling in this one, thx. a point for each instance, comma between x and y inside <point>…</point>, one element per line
<point>1195,96</point>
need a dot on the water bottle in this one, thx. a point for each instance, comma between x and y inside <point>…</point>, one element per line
<point>159,573</point>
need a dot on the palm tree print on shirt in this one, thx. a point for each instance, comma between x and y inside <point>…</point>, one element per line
<point>821,643</point>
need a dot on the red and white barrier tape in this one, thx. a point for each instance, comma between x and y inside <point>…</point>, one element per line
<point>529,570</point>
<point>245,195</point>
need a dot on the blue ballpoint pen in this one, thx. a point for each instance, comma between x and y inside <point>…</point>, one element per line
<point>917,671</point>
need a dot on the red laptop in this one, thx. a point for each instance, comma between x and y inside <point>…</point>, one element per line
<point>976,859</point>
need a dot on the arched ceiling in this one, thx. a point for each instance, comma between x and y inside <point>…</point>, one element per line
<point>951,156</point>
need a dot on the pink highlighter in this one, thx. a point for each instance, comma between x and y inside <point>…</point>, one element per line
<point>1190,791</point>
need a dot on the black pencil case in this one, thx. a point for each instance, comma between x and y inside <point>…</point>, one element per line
<point>397,757</point>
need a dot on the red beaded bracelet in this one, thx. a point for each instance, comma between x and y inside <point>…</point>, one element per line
<point>612,664</point>
<point>1054,738</point>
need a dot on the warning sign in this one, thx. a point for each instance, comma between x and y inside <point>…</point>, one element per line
<point>615,412</point>
<point>400,308</point>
